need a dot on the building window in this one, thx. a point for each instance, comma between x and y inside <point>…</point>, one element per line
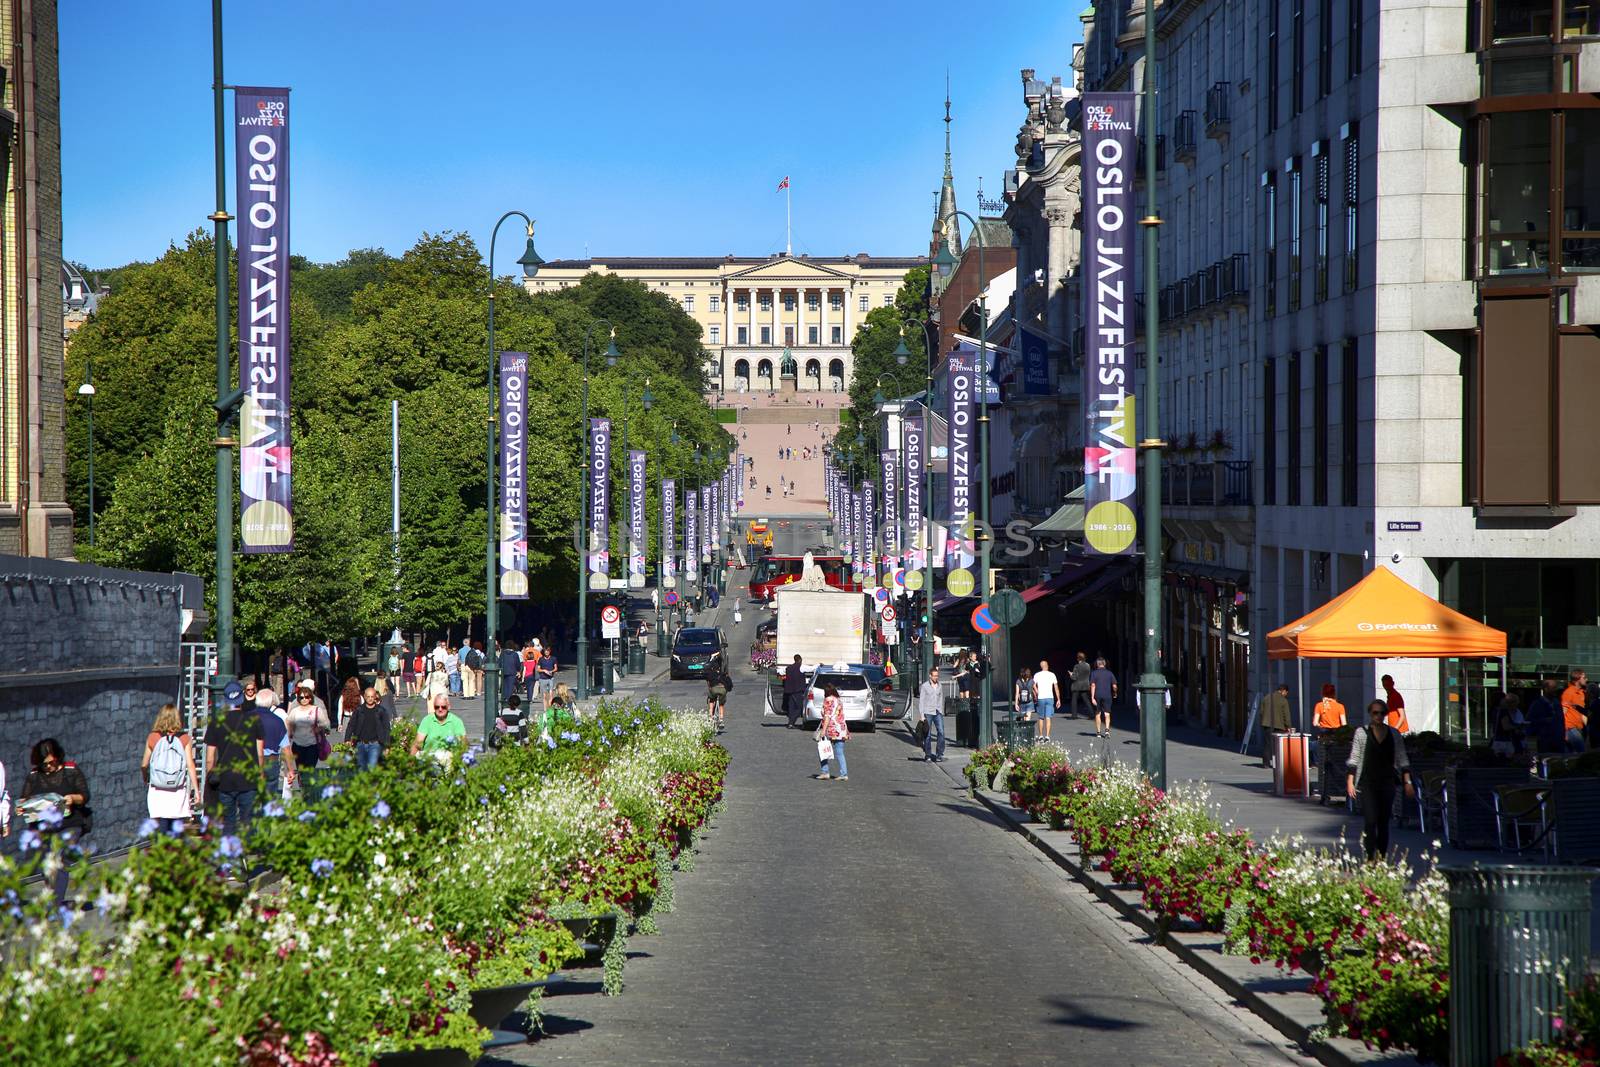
<point>1524,20</point>
<point>1352,57</point>
<point>812,302</point>
<point>741,302</point>
<point>1273,16</point>
<point>1297,34</point>
<point>744,335</point>
<point>716,303</point>
<point>1324,48</point>
<point>788,301</point>
<point>1319,152</point>
<point>862,303</point>
<point>888,300</point>
<point>1348,445</point>
<point>812,333</point>
<point>1269,432</point>
<point>1291,399</point>
<point>788,335</point>
<point>836,301</point>
<point>1269,197</point>
<point>838,335</point>
<point>1539,171</point>
<point>688,302</point>
<point>716,335</point>
<point>766,335</point>
<point>1352,191</point>
<point>1319,429</point>
<point>1292,166</point>
<point>766,301</point>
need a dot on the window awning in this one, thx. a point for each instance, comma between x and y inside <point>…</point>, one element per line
<point>1076,569</point>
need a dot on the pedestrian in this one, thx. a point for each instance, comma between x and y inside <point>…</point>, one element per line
<point>53,774</point>
<point>1102,693</point>
<point>1546,721</point>
<point>368,726</point>
<point>794,693</point>
<point>832,732</point>
<point>1509,725</point>
<point>234,750</point>
<point>1574,709</point>
<point>470,659</point>
<point>1080,686</point>
<point>738,617</point>
<point>713,596</point>
<point>557,716</point>
<point>717,685</point>
<point>1023,693</point>
<point>1396,704</point>
<point>277,763</point>
<point>307,721</point>
<point>172,784</point>
<point>416,675</point>
<point>510,663</point>
<point>1275,719</point>
<point>930,706</point>
<point>443,731</point>
<point>1328,714</point>
<point>1048,688</point>
<point>1377,760</point>
<point>452,667</point>
<point>391,663</point>
<point>530,671</point>
<point>349,701</point>
<point>508,725</point>
<point>546,669</point>
<point>438,680</point>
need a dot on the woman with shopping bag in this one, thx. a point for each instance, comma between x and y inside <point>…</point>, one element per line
<point>832,733</point>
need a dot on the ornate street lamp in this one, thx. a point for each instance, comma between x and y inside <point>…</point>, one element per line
<point>611,355</point>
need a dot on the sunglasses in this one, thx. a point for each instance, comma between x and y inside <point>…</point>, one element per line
<point>306,696</point>
<point>441,707</point>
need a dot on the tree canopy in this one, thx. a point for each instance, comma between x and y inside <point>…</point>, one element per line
<point>365,331</point>
<point>876,366</point>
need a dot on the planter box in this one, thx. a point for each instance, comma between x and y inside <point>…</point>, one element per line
<point>594,933</point>
<point>491,1006</point>
<point>1471,805</point>
<point>429,1057</point>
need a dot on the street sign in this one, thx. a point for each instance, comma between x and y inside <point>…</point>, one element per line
<point>881,595</point>
<point>982,621</point>
<point>1007,607</point>
<point>610,621</point>
<point>672,598</point>
<point>670,582</point>
<point>887,614</point>
<point>599,582</point>
<point>899,577</point>
<point>635,581</point>
<point>959,582</point>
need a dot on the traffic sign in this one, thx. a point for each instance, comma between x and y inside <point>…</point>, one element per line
<point>899,577</point>
<point>913,580</point>
<point>610,613</point>
<point>982,621</point>
<point>887,614</point>
<point>672,598</point>
<point>599,582</point>
<point>881,595</point>
<point>610,621</point>
<point>959,582</point>
<point>1007,607</point>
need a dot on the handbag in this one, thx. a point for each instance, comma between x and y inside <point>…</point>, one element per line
<point>324,746</point>
<point>824,750</point>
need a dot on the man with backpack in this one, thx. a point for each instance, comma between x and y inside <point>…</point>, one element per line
<point>234,759</point>
<point>471,669</point>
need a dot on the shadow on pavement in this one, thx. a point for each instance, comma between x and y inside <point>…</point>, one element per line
<point>1071,1014</point>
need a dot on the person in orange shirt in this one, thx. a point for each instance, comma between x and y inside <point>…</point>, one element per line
<point>1574,713</point>
<point>1329,713</point>
<point>1397,706</point>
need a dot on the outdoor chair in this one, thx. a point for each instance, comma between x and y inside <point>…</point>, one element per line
<point>1528,811</point>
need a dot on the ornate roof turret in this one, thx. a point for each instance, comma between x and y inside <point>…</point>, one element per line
<point>946,228</point>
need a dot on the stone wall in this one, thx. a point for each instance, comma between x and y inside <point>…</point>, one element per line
<point>90,655</point>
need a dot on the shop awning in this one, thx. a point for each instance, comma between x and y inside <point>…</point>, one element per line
<point>1067,519</point>
<point>1382,616</point>
<point>1075,569</point>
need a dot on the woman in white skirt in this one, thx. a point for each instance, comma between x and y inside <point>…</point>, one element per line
<point>172,785</point>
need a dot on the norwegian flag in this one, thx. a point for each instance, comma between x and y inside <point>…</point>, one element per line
<point>785,183</point>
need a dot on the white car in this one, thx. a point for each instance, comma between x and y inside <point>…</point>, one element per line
<point>855,691</point>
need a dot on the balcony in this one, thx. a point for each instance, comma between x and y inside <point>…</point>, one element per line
<point>1161,156</point>
<point>1184,141</point>
<point>1233,280</point>
<point>1207,483</point>
<point>1218,109</point>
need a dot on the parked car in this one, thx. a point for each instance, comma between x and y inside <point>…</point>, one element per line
<point>693,648</point>
<point>860,700</point>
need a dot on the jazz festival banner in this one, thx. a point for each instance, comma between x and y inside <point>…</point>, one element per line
<point>636,528</point>
<point>513,476</point>
<point>669,528</point>
<point>962,377</point>
<point>599,504</point>
<point>914,435</point>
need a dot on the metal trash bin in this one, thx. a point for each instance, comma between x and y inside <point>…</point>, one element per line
<point>1014,731</point>
<point>636,657</point>
<point>601,681</point>
<point>1519,936</point>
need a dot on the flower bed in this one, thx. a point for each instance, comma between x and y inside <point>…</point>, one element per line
<point>1375,947</point>
<point>403,889</point>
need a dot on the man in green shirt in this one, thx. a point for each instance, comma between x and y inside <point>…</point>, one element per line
<point>442,730</point>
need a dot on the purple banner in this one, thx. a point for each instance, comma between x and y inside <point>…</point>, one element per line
<point>513,476</point>
<point>960,418</point>
<point>669,528</point>
<point>858,547</point>
<point>869,529</point>
<point>914,435</point>
<point>1035,362</point>
<point>891,501</point>
<point>1110,458</point>
<point>261,155</point>
<point>636,526</point>
<point>840,494</point>
<point>691,536</point>
<point>714,517</point>
<point>707,533</point>
<point>599,503</point>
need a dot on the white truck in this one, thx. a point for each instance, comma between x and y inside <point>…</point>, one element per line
<point>825,627</point>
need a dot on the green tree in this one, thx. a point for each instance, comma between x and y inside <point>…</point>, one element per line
<point>648,323</point>
<point>876,366</point>
<point>332,286</point>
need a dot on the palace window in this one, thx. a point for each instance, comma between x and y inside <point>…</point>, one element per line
<point>688,302</point>
<point>716,335</point>
<point>716,303</point>
<point>888,300</point>
<point>838,335</point>
<point>766,335</point>
<point>744,335</point>
<point>836,301</point>
<point>863,304</point>
<point>788,301</point>
<point>812,302</point>
<point>811,334</point>
<point>766,301</point>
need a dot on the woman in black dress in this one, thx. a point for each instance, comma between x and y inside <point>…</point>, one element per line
<point>1377,763</point>
<point>51,773</point>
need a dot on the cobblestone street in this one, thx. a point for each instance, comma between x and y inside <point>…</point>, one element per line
<point>884,919</point>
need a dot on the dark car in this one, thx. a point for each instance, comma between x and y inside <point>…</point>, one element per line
<point>693,648</point>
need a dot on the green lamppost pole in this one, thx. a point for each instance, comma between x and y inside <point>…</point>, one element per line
<point>228,397</point>
<point>1152,684</point>
<point>86,390</point>
<point>530,262</point>
<point>944,261</point>
<point>668,539</point>
<point>583,506</point>
<point>901,354</point>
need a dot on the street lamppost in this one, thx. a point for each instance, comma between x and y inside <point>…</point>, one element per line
<point>86,390</point>
<point>583,506</point>
<point>1152,683</point>
<point>530,263</point>
<point>946,262</point>
<point>646,400</point>
<point>901,355</point>
<point>667,537</point>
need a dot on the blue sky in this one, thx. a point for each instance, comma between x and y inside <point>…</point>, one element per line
<point>630,128</point>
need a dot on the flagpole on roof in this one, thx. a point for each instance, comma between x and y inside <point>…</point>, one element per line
<point>788,218</point>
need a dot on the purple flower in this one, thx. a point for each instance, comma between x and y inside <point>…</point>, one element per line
<point>322,868</point>
<point>230,847</point>
<point>306,816</point>
<point>273,810</point>
<point>549,742</point>
<point>331,791</point>
<point>380,810</point>
<point>29,841</point>
<point>147,828</point>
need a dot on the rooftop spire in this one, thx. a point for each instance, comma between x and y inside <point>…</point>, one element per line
<point>946,227</point>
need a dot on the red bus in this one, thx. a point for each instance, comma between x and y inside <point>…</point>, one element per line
<point>770,572</point>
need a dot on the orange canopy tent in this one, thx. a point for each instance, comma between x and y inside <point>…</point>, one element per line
<point>1383,617</point>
